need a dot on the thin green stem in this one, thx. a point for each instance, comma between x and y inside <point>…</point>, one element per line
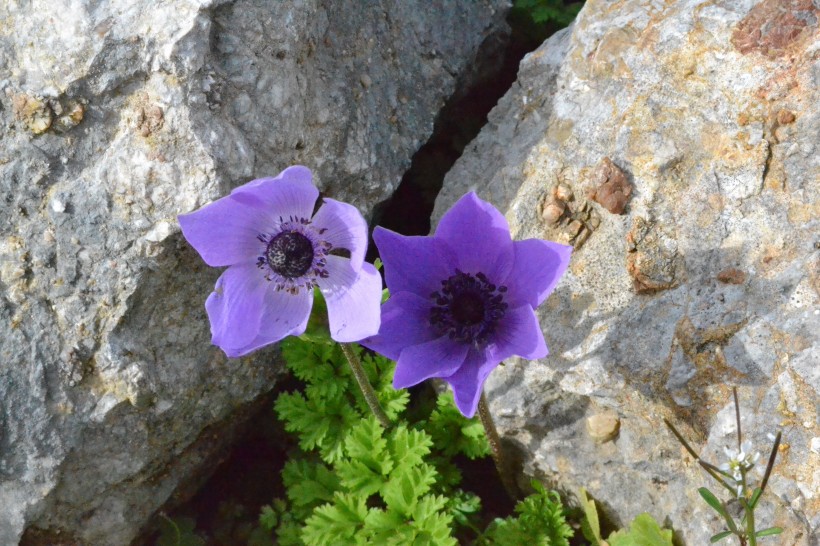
<point>364,384</point>
<point>501,462</point>
<point>750,523</point>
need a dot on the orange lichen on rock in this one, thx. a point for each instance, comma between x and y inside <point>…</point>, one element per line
<point>773,26</point>
<point>731,275</point>
<point>611,188</point>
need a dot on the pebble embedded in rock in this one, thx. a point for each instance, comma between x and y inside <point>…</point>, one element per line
<point>553,210</point>
<point>603,427</point>
<point>611,189</point>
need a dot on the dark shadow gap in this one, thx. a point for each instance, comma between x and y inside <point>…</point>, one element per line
<point>409,209</point>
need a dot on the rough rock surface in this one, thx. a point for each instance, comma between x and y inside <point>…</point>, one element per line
<point>116,117</point>
<point>711,277</point>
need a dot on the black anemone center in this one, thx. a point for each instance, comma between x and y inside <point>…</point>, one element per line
<point>468,308</point>
<point>290,254</point>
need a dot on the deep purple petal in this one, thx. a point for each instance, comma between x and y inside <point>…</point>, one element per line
<point>405,322</point>
<point>344,227</point>
<point>437,358</point>
<point>225,232</point>
<point>413,264</point>
<point>236,306</point>
<point>479,236</point>
<point>468,381</point>
<point>353,313</point>
<point>519,333</point>
<point>538,267</point>
<point>290,194</point>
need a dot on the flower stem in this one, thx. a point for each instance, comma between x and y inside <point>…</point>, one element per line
<point>364,384</point>
<point>750,524</point>
<point>501,462</point>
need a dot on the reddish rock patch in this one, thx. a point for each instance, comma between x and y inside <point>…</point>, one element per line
<point>611,188</point>
<point>772,26</point>
<point>731,275</point>
<point>652,258</point>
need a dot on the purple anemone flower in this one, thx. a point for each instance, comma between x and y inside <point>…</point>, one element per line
<point>464,299</point>
<point>277,250</point>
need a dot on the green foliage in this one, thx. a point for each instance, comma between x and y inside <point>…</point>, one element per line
<point>643,531</point>
<point>455,434</point>
<point>541,521</point>
<point>590,525</point>
<point>549,11</point>
<point>178,532</point>
<point>352,481</point>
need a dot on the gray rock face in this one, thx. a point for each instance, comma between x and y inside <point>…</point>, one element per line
<point>708,115</point>
<point>116,117</point>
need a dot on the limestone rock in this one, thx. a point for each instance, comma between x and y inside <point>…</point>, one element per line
<point>712,111</point>
<point>116,116</point>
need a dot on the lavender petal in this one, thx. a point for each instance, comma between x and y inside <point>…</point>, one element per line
<point>225,232</point>
<point>353,312</point>
<point>235,308</point>
<point>285,315</point>
<point>343,226</point>
<point>289,194</point>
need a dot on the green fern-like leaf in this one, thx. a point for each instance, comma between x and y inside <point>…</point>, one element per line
<point>367,462</point>
<point>335,523</point>
<point>268,518</point>
<point>319,423</point>
<point>431,522</point>
<point>380,372</point>
<point>406,486</point>
<point>541,521</point>
<point>409,447</point>
<point>308,484</point>
<point>453,433</point>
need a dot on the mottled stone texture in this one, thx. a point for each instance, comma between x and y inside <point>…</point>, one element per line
<point>116,116</point>
<point>709,280</point>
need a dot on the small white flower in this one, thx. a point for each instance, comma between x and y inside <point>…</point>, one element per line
<point>740,460</point>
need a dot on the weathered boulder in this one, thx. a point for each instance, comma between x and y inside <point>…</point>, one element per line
<point>116,117</point>
<point>700,122</point>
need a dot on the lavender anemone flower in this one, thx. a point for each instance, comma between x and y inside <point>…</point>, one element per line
<point>464,299</point>
<point>277,250</point>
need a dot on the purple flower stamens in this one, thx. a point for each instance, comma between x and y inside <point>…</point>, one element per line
<point>294,257</point>
<point>289,254</point>
<point>467,308</point>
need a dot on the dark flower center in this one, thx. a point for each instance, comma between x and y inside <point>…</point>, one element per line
<point>468,308</point>
<point>290,254</point>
